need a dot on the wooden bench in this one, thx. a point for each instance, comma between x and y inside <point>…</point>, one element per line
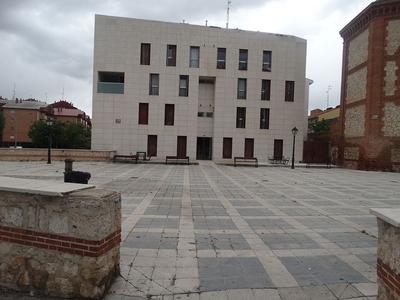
<point>176,159</point>
<point>245,159</point>
<point>125,157</point>
<point>278,160</point>
<point>308,163</point>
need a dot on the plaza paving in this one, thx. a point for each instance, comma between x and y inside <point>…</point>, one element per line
<point>210,231</point>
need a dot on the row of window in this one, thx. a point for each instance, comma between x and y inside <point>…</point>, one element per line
<point>169,116</point>
<point>113,82</point>
<point>241,88</point>
<point>194,57</point>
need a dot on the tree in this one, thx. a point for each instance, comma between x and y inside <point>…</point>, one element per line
<point>2,121</point>
<point>64,135</point>
<point>320,126</point>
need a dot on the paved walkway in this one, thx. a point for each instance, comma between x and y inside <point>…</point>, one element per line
<point>218,232</point>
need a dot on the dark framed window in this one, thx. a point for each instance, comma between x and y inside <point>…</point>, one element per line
<point>194,57</point>
<point>241,117</point>
<point>227,147</point>
<point>171,55</point>
<point>289,91</point>
<point>152,145</point>
<point>153,84</point>
<point>241,88</point>
<point>265,89</point>
<point>169,114</point>
<point>221,58</point>
<point>243,59</point>
<point>266,67</point>
<point>145,54</point>
<point>264,118</point>
<point>143,113</point>
<point>183,85</point>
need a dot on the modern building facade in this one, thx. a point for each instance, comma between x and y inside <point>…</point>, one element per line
<point>370,98</point>
<point>197,91</point>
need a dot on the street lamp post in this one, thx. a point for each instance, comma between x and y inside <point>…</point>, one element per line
<point>294,132</point>
<point>49,122</point>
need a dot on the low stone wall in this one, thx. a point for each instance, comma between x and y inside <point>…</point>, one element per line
<point>388,262</point>
<point>58,239</point>
<point>34,154</point>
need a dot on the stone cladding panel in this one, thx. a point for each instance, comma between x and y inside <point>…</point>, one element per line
<point>393,37</point>
<point>390,78</point>
<point>391,120</point>
<point>355,122</point>
<point>358,50</point>
<point>357,86</point>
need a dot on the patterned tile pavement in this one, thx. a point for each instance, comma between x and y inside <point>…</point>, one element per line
<point>211,231</point>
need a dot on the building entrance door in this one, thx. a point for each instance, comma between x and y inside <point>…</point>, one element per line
<point>278,148</point>
<point>249,148</point>
<point>181,146</point>
<point>204,148</point>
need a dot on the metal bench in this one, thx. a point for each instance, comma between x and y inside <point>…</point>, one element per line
<point>125,157</point>
<point>176,159</point>
<point>245,159</point>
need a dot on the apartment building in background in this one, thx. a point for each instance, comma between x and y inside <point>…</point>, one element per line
<point>197,91</point>
<point>370,98</point>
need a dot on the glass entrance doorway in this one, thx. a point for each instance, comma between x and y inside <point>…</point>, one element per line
<point>204,146</point>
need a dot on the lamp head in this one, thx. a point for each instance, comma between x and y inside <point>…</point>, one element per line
<point>295,131</point>
<point>49,121</point>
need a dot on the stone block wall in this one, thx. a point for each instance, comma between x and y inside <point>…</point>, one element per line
<point>355,122</point>
<point>358,50</point>
<point>388,261</point>
<point>391,120</point>
<point>60,246</point>
<point>357,86</point>
<point>33,154</point>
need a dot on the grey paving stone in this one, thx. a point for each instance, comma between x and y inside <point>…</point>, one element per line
<point>279,241</point>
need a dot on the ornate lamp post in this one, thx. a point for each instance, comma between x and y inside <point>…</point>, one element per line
<point>49,122</point>
<point>294,132</point>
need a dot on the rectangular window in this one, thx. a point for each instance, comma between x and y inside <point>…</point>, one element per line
<point>152,145</point>
<point>145,54</point>
<point>171,55</point>
<point>183,85</point>
<point>241,91</point>
<point>143,113</point>
<point>169,114</point>
<point>266,67</point>
<point>241,117</point>
<point>221,57</point>
<point>242,59</point>
<point>153,82</point>
<point>265,89</point>
<point>111,82</point>
<point>194,57</point>
<point>264,118</point>
<point>200,114</point>
<point>289,91</point>
<point>209,115</point>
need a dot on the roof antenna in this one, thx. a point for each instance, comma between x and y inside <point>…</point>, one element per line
<point>62,95</point>
<point>227,14</point>
<point>327,98</point>
<point>13,98</point>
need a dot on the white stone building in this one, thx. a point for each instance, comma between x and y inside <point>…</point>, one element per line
<point>201,91</point>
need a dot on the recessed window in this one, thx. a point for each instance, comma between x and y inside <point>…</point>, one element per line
<point>265,89</point>
<point>241,89</point>
<point>289,91</point>
<point>171,55</point>
<point>200,114</point>
<point>169,114</point>
<point>183,85</point>
<point>143,113</point>
<point>194,57</point>
<point>241,117</point>
<point>145,54</point>
<point>264,118</point>
<point>209,115</point>
<point>153,89</point>
<point>221,58</point>
<point>111,82</point>
<point>266,67</point>
<point>243,59</point>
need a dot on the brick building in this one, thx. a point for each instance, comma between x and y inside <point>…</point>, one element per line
<point>370,97</point>
<point>197,91</point>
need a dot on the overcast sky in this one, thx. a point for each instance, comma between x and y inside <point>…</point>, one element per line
<point>46,47</point>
